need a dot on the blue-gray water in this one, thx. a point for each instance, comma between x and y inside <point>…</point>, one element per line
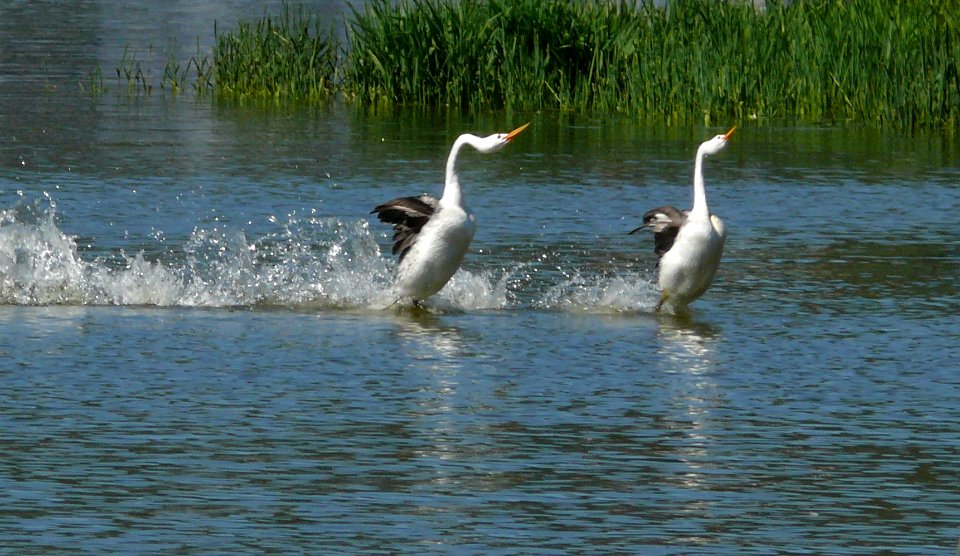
<point>192,359</point>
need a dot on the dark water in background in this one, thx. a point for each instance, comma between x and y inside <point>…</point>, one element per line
<point>191,358</point>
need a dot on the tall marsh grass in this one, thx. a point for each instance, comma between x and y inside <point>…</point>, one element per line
<point>284,58</point>
<point>886,63</point>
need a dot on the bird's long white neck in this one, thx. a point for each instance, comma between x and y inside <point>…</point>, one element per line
<point>452,195</point>
<point>700,208</point>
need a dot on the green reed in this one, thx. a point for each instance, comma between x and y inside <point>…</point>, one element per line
<point>177,74</point>
<point>886,63</point>
<point>94,86</point>
<point>134,74</point>
<point>284,58</point>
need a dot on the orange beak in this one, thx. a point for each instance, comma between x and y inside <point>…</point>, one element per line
<point>516,132</point>
<point>729,133</point>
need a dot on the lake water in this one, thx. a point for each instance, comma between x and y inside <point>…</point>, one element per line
<point>192,358</point>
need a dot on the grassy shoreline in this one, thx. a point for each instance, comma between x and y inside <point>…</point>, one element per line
<point>888,64</point>
<point>885,64</point>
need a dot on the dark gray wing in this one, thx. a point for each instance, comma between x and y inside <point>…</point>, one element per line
<point>408,216</point>
<point>665,222</point>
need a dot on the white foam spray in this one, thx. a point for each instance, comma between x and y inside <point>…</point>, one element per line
<point>308,263</point>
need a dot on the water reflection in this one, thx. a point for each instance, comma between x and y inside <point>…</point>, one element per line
<point>435,352</point>
<point>687,345</point>
<point>50,323</point>
<point>687,355</point>
<point>425,338</point>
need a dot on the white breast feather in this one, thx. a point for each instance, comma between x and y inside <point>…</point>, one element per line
<point>437,254</point>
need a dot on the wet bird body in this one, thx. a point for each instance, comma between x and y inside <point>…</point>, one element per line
<point>687,269</point>
<point>689,244</point>
<point>431,240</point>
<point>432,235</point>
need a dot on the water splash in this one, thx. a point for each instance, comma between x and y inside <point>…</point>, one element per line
<point>628,292</point>
<point>38,263</point>
<point>321,262</point>
<point>483,290</point>
<point>311,262</point>
<point>307,263</point>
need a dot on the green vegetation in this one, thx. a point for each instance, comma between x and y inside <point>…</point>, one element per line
<point>887,63</point>
<point>132,72</point>
<point>94,82</point>
<point>135,77</point>
<point>176,75</point>
<point>522,54</point>
<point>284,59</point>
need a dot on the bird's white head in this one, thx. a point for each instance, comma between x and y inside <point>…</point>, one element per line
<point>488,144</point>
<point>716,143</point>
<point>497,141</point>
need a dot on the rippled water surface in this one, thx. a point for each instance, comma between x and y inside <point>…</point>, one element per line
<point>194,358</point>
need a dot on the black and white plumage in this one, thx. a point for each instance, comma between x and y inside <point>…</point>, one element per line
<point>432,235</point>
<point>408,216</point>
<point>689,244</point>
<point>665,224</point>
